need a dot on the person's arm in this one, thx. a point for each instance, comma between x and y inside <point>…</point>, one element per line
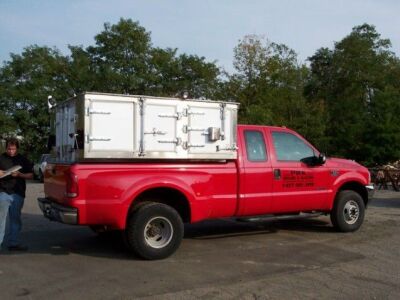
<point>26,171</point>
<point>1,173</point>
<point>22,175</point>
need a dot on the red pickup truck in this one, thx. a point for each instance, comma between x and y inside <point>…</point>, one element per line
<point>276,173</point>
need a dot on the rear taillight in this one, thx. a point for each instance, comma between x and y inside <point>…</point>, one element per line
<point>72,185</point>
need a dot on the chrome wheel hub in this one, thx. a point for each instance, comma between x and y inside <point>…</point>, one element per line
<point>351,212</point>
<point>158,232</point>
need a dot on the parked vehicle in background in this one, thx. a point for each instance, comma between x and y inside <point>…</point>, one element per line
<point>39,167</point>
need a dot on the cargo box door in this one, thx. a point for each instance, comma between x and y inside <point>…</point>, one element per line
<point>65,130</point>
<point>202,118</point>
<point>160,123</point>
<point>211,130</point>
<point>110,131</point>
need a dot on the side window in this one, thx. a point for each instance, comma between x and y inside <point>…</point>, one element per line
<point>255,146</point>
<point>289,147</point>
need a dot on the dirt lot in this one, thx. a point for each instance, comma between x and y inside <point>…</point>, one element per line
<point>220,259</point>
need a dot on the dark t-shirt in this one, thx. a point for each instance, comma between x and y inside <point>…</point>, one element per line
<point>9,184</point>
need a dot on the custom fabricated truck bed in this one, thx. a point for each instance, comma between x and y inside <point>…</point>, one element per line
<point>109,126</point>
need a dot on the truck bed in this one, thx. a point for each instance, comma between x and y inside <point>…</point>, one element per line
<point>211,188</point>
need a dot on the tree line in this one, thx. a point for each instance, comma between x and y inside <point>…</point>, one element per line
<point>345,100</point>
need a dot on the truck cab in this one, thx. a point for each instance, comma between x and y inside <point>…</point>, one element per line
<point>281,172</point>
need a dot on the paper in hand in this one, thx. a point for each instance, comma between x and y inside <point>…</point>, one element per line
<point>10,170</point>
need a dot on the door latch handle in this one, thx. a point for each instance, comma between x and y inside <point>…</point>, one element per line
<point>277,174</point>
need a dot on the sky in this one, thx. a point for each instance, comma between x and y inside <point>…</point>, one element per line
<point>209,28</point>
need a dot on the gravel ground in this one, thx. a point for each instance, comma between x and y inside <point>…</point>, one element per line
<point>219,259</point>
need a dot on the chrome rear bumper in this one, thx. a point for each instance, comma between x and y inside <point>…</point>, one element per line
<point>57,212</point>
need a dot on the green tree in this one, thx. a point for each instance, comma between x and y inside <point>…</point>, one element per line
<point>269,84</point>
<point>124,61</point>
<point>81,71</point>
<point>121,57</point>
<point>355,83</point>
<point>25,83</point>
<point>172,74</point>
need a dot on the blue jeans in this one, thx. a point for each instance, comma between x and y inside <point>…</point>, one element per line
<point>5,202</point>
<point>15,222</point>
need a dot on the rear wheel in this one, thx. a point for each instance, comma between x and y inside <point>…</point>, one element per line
<point>348,211</point>
<point>154,231</point>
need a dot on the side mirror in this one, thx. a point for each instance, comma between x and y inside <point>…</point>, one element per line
<point>313,161</point>
<point>321,159</point>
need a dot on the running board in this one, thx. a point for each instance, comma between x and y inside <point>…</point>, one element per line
<point>280,217</point>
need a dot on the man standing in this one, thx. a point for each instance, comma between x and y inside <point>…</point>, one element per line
<point>5,202</point>
<point>12,192</point>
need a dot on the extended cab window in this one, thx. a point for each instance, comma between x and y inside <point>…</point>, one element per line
<point>255,145</point>
<point>289,147</point>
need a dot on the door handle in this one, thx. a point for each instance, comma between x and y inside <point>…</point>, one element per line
<point>277,174</point>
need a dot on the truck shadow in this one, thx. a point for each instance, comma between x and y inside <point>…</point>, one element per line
<point>46,237</point>
<point>385,202</point>
<point>219,229</point>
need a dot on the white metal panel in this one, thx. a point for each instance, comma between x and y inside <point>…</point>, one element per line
<point>230,121</point>
<point>200,119</point>
<point>70,133</point>
<point>160,127</point>
<point>65,130</point>
<point>126,126</point>
<point>59,132</point>
<point>111,126</point>
<point>64,141</point>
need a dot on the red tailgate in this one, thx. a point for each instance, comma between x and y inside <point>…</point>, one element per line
<point>55,182</point>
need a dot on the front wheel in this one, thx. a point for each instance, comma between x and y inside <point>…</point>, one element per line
<point>348,211</point>
<point>154,231</point>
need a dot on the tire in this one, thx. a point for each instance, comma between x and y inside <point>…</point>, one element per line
<point>348,211</point>
<point>154,231</point>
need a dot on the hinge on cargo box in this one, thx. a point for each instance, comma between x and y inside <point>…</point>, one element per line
<point>228,148</point>
<point>222,111</point>
<point>195,113</point>
<point>141,149</point>
<point>97,112</point>
<point>178,116</point>
<point>186,145</point>
<point>195,129</point>
<point>141,141</point>
<point>99,139</point>
<point>155,132</point>
<point>177,141</point>
<point>141,106</point>
<point>96,139</point>
<point>194,146</point>
<point>186,129</point>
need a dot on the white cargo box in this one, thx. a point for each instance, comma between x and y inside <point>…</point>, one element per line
<point>108,126</point>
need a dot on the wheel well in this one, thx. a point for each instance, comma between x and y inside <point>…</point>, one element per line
<point>167,196</point>
<point>358,188</point>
